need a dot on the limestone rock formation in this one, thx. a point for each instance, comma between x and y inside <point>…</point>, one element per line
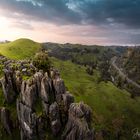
<point>5,120</point>
<point>47,92</point>
<point>9,85</point>
<point>55,118</point>
<point>43,103</point>
<point>28,93</point>
<point>28,121</point>
<point>67,100</point>
<point>77,127</point>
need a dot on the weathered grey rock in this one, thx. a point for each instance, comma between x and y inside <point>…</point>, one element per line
<point>18,81</point>
<point>9,85</point>
<point>27,120</point>
<point>59,87</point>
<point>38,78</point>
<point>57,103</point>
<point>67,100</point>
<point>55,118</point>
<point>47,91</point>
<point>6,120</point>
<point>42,125</point>
<point>77,127</point>
<point>28,92</point>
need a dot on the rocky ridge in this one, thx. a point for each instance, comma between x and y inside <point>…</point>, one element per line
<point>28,87</point>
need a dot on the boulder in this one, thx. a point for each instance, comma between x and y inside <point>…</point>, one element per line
<point>77,127</point>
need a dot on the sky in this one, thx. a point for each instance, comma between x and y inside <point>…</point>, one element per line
<point>102,22</point>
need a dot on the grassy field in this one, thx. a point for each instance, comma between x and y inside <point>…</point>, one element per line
<point>113,109</point>
<point>19,49</point>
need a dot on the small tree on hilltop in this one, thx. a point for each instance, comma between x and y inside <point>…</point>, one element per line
<point>41,61</point>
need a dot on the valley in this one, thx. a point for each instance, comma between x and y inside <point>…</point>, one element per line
<point>115,112</point>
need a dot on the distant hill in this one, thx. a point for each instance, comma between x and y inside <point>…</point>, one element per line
<point>19,49</point>
<point>79,54</point>
<point>112,107</point>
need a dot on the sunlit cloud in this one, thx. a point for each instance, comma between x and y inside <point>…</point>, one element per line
<point>74,21</point>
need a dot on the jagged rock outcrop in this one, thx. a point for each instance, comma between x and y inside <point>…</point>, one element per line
<point>28,121</point>
<point>59,86</point>
<point>47,91</point>
<point>77,127</point>
<point>37,79</point>
<point>9,85</point>
<point>28,92</point>
<point>67,100</point>
<point>18,81</point>
<point>54,115</point>
<point>5,120</point>
<point>66,119</point>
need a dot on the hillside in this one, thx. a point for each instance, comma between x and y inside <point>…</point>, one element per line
<point>112,106</point>
<point>80,54</point>
<point>19,49</point>
<point>39,104</point>
<point>130,63</point>
<point>115,113</point>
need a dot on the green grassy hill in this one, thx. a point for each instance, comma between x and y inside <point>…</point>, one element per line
<point>113,109</point>
<point>19,49</point>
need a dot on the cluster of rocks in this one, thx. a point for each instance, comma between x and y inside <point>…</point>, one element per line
<point>66,119</point>
<point>25,67</point>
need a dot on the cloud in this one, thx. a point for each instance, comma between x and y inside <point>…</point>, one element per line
<point>54,11</point>
<point>124,12</point>
<point>117,20</point>
<point>63,12</point>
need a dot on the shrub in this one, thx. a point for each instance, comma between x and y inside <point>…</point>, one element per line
<point>41,61</point>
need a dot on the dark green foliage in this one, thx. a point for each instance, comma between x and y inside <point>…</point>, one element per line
<point>41,61</point>
<point>104,69</point>
<point>79,54</point>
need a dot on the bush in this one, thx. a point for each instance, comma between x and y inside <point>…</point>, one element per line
<point>41,61</point>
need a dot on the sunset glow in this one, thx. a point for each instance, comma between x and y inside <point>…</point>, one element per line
<point>70,21</point>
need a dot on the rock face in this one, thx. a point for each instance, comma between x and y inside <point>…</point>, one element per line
<point>9,85</point>
<point>77,127</point>
<point>28,93</point>
<point>55,118</point>
<point>28,121</point>
<point>47,91</point>
<point>5,120</point>
<point>44,103</point>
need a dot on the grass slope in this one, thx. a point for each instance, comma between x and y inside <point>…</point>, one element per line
<point>19,49</point>
<point>113,108</point>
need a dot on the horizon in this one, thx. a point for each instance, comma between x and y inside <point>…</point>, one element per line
<point>87,22</point>
<point>112,45</point>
